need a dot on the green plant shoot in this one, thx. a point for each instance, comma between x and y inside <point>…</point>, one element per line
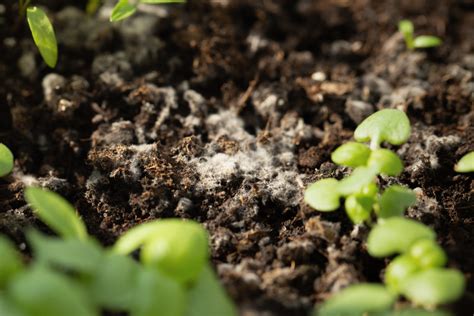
<point>423,41</point>
<point>43,35</point>
<point>466,164</point>
<point>6,160</point>
<point>125,8</point>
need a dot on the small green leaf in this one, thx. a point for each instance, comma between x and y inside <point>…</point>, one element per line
<point>43,35</point>
<point>208,297</point>
<point>428,254</point>
<point>406,27</point>
<point>351,154</point>
<point>360,177</point>
<point>122,10</point>
<point>75,255</point>
<point>396,235</point>
<point>113,284</point>
<point>92,6</point>
<point>56,212</point>
<point>40,291</point>
<point>6,160</point>
<point>358,207</point>
<point>10,262</point>
<point>177,248</point>
<point>434,287</point>
<point>358,300</point>
<point>323,195</point>
<point>155,293</point>
<point>386,162</point>
<point>399,270</point>
<point>388,125</point>
<point>395,200</point>
<point>466,164</point>
<point>426,41</point>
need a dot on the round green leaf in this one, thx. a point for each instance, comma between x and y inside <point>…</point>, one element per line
<point>351,154</point>
<point>358,300</point>
<point>122,10</point>
<point>406,27</point>
<point>397,272</point>
<point>386,162</point>
<point>56,212</point>
<point>426,41</point>
<point>6,160</point>
<point>395,200</point>
<point>323,195</point>
<point>43,35</point>
<point>428,254</point>
<point>177,248</point>
<point>40,291</point>
<point>466,164</point>
<point>396,235</point>
<point>387,125</point>
<point>434,287</point>
<point>358,207</point>
<point>10,262</point>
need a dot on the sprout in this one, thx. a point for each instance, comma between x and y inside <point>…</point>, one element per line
<point>43,35</point>
<point>174,247</point>
<point>434,287</point>
<point>6,160</point>
<point>358,299</point>
<point>388,125</point>
<point>466,164</point>
<point>395,200</point>
<point>56,212</point>
<point>125,8</point>
<point>396,235</point>
<point>423,41</point>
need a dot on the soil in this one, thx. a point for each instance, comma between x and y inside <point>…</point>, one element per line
<point>222,111</point>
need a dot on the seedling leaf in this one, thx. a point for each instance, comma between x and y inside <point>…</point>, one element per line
<point>399,270</point>
<point>358,207</point>
<point>43,35</point>
<point>208,297</point>
<point>351,154</point>
<point>388,125</point>
<point>6,160</point>
<point>396,235</point>
<point>10,262</point>
<point>7,308</point>
<point>357,300</point>
<point>466,164</point>
<point>361,177</point>
<point>74,255</point>
<point>56,212</point>
<point>395,200</point>
<point>122,10</point>
<point>407,29</point>
<point>386,162</point>
<point>323,195</point>
<point>177,248</point>
<point>428,254</point>
<point>155,293</point>
<point>434,287</point>
<point>426,41</point>
<point>40,291</point>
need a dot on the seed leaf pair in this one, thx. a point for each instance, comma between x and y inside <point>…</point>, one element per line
<point>423,41</point>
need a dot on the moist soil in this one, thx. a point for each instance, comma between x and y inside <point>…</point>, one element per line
<point>223,112</point>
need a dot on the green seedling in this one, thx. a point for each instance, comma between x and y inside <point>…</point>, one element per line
<point>43,35</point>
<point>423,41</point>
<point>172,278</point>
<point>125,8</point>
<point>6,160</point>
<point>357,300</point>
<point>359,190</point>
<point>466,164</point>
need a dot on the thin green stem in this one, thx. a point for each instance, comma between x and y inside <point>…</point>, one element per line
<point>375,142</point>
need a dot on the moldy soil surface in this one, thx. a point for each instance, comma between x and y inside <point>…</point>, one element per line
<point>223,111</point>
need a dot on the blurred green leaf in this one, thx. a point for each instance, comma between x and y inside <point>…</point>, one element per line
<point>10,262</point>
<point>428,254</point>
<point>323,195</point>
<point>122,10</point>
<point>6,160</point>
<point>399,270</point>
<point>395,200</point>
<point>426,41</point>
<point>208,297</point>
<point>7,308</point>
<point>56,212</point>
<point>360,178</point>
<point>351,154</point>
<point>43,35</point>
<point>386,162</point>
<point>466,164</point>
<point>358,207</point>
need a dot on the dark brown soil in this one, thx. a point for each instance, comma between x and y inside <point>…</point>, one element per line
<point>223,111</point>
